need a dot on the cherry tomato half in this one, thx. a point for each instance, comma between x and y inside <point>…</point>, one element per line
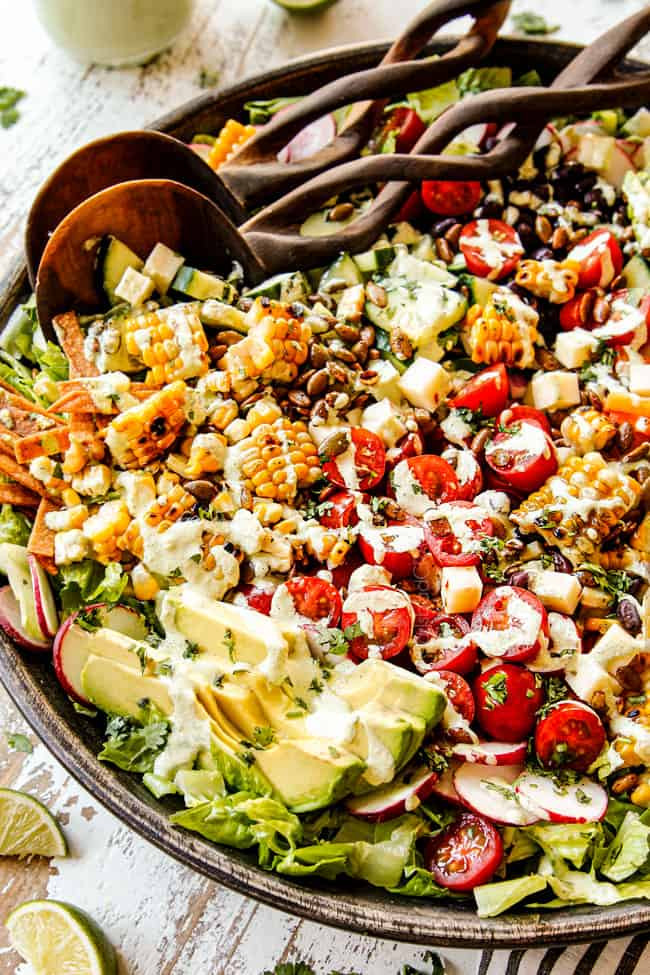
<point>339,510</point>
<point>491,248</point>
<point>507,698</point>
<point>258,596</point>
<point>409,128</point>
<point>450,198</point>
<point>465,854</point>
<point>395,547</point>
<point>412,445</point>
<point>418,481</point>
<point>600,259</point>
<point>571,314</point>
<point>437,645</point>
<point>570,735</point>
<point>314,598</point>
<point>459,693</point>
<point>468,471</point>
<point>523,455</point>
<point>369,462</point>
<point>516,413</point>
<point>454,535</point>
<point>508,623</point>
<point>487,391</point>
<point>392,621</point>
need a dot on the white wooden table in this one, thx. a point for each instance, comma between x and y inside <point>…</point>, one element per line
<point>164,919</point>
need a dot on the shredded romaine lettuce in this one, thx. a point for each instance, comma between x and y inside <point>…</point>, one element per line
<point>135,747</point>
<point>14,527</point>
<point>85,582</point>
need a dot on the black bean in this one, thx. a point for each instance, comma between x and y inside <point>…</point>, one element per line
<point>440,227</point>
<point>518,578</point>
<point>489,210</point>
<point>526,233</point>
<point>543,254</point>
<point>560,562</point>
<point>628,616</point>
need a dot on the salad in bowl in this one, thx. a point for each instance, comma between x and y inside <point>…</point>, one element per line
<point>356,562</point>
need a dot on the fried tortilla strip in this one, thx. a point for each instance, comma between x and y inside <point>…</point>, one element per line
<point>11,467</point>
<point>81,401</point>
<point>71,340</point>
<point>13,401</point>
<point>42,444</point>
<point>17,495</point>
<point>41,540</point>
<point>8,440</point>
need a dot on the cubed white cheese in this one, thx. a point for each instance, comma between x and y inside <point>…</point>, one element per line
<point>425,384</point>
<point>162,266</point>
<point>94,481</point>
<point>555,390</point>
<point>386,420</point>
<point>559,591</point>
<point>640,378</point>
<point>351,303</point>
<point>387,384</point>
<point>134,287</point>
<point>573,349</point>
<point>461,589</point>
<point>593,598</point>
<point>70,546</point>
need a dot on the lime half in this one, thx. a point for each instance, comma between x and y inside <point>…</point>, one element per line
<point>54,938</point>
<point>304,6</point>
<point>28,828</point>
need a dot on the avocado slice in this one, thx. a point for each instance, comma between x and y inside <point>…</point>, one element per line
<point>113,687</point>
<point>379,681</point>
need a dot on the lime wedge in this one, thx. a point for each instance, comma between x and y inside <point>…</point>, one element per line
<point>54,938</point>
<point>304,6</point>
<point>28,828</point>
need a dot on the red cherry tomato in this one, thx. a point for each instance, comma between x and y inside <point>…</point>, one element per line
<point>411,209</point>
<point>315,599</point>
<point>369,461</point>
<point>450,198</point>
<point>341,573</point>
<point>491,248</point>
<point>437,645</point>
<point>465,854</point>
<point>510,622</point>
<point>258,596</point>
<point>516,413</point>
<point>570,735</point>
<point>523,455</point>
<point>423,608</point>
<point>507,698</point>
<point>412,445</point>
<point>459,693</point>
<point>616,331</point>
<point>468,471</point>
<point>409,127</point>
<point>392,625</point>
<point>487,391</point>
<point>339,511</point>
<point>426,477</point>
<point>600,259</point>
<point>472,524</point>
<point>395,547</point>
<point>570,314</point>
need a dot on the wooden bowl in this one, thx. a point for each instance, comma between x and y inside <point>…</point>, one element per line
<point>75,740</point>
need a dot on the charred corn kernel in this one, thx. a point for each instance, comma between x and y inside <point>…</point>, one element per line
<point>626,750</point>
<point>232,136</point>
<point>223,414</point>
<point>104,528</point>
<point>131,540</point>
<point>554,280</point>
<point>577,508</point>
<point>140,434</point>
<point>237,430</point>
<point>170,341</point>
<point>268,512</point>
<point>275,347</point>
<point>169,507</point>
<point>326,546</point>
<point>264,411</point>
<point>641,795</point>
<point>277,460</point>
<point>505,330</point>
<point>287,526</point>
<point>207,455</point>
<point>144,584</point>
<point>223,504</point>
<point>586,429</point>
<point>166,481</point>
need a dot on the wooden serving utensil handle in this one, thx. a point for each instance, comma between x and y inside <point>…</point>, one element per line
<point>274,233</point>
<point>255,176</point>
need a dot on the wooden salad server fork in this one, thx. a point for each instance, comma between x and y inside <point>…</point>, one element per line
<point>255,176</point>
<point>271,242</point>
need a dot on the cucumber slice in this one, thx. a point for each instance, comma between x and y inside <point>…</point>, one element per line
<point>113,258</point>
<point>374,261</point>
<point>481,290</point>
<point>636,273</point>
<point>288,287</point>
<point>343,273</point>
<point>201,285</point>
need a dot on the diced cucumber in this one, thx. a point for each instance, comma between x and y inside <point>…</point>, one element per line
<point>458,264</point>
<point>636,273</point>
<point>424,249</point>
<point>162,266</point>
<point>382,341</point>
<point>113,258</point>
<point>481,290</point>
<point>291,286</point>
<point>343,273</point>
<point>219,315</point>
<point>201,285</point>
<point>374,261</point>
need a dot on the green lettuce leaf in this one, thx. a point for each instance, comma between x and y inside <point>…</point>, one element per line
<point>629,850</point>
<point>52,361</point>
<point>18,334</point>
<point>432,102</point>
<point>261,110</point>
<point>14,526</point>
<point>481,79</point>
<point>237,775</point>
<point>419,882</point>
<point>135,747</point>
<point>493,899</point>
<point>567,840</point>
<point>618,809</point>
<point>89,581</point>
<point>16,375</point>
<point>199,785</point>
<point>518,844</point>
<point>243,820</point>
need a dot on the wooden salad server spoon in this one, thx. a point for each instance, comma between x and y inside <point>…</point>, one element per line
<point>271,241</point>
<point>255,176</point>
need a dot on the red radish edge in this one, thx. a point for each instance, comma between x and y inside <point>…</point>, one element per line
<point>46,612</point>
<point>12,625</point>
<point>393,799</point>
<point>493,800</point>
<point>492,752</point>
<point>584,801</point>
<point>309,140</point>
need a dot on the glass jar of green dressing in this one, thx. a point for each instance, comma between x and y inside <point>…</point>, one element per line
<point>113,32</point>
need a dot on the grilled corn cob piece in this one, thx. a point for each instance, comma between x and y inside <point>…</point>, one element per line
<point>276,345</point>
<point>144,432</point>
<point>328,547</point>
<point>169,507</point>
<point>577,508</point>
<point>105,528</point>
<point>554,280</point>
<point>131,540</point>
<point>587,429</point>
<point>171,342</point>
<point>276,460</point>
<point>505,330</point>
<point>207,455</point>
<point>232,136</point>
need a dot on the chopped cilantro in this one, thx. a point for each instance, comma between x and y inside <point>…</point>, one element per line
<point>20,743</point>
<point>474,418</point>
<point>496,689</point>
<point>263,737</point>
<point>503,790</point>
<point>191,650</point>
<point>582,797</point>
<point>614,581</point>
<point>377,505</point>
<point>353,631</point>
<point>89,619</point>
<point>316,685</point>
<point>229,644</point>
<point>218,681</point>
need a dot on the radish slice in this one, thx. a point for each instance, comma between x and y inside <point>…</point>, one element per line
<point>402,795</point>
<point>309,140</point>
<point>583,801</point>
<point>444,787</point>
<point>46,612</point>
<point>12,625</point>
<point>492,752</point>
<point>564,637</point>
<point>125,620</point>
<point>490,793</point>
